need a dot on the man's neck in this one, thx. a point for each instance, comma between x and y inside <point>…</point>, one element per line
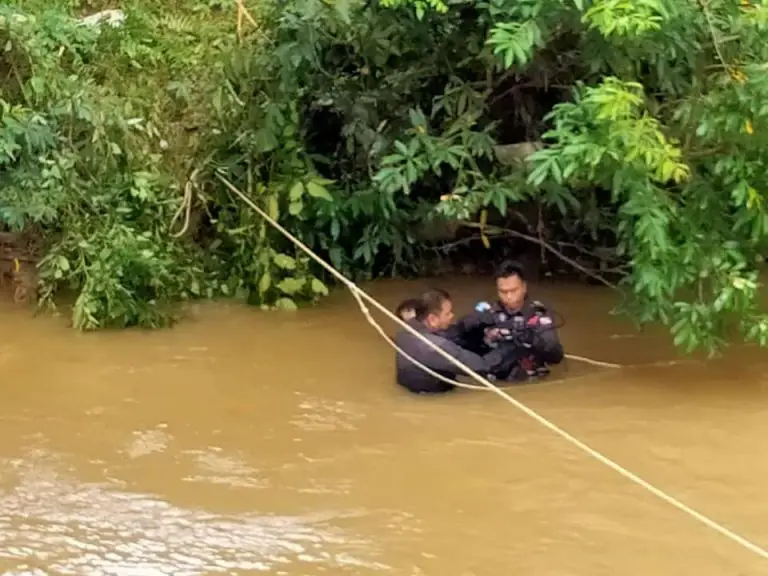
<point>420,325</point>
<point>517,310</point>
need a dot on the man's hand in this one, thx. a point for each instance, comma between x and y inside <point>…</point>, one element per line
<point>527,337</point>
<point>492,336</point>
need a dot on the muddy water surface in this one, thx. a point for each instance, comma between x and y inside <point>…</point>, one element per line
<point>245,442</point>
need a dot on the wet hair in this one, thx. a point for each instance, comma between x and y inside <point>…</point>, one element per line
<point>408,304</point>
<point>431,302</point>
<point>510,268</point>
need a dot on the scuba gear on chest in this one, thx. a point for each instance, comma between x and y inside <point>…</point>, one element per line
<point>518,327</point>
<point>529,330</point>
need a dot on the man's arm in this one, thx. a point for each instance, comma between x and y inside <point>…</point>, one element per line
<point>476,320</point>
<point>481,364</point>
<point>469,327</point>
<point>546,342</point>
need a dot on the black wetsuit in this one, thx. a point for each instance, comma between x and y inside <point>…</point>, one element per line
<point>414,379</point>
<point>531,328</point>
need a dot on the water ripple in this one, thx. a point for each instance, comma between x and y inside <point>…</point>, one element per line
<point>320,414</point>
<point>76,528</point>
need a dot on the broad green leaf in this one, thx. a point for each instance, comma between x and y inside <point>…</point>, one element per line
<point>291,286</point>
<point>319,287</point>
<point>295,208</point>
<point>265,140</point>
<point>297,191</point>
<point>284,261</point>
<point>272,208</point>
<point>318,191</point>
<point>265,282</point>
<point>286,304</point>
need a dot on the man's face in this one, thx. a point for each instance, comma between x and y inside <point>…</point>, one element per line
<point>512,291</point>
<point>442,320</point>
<point>407,314</point>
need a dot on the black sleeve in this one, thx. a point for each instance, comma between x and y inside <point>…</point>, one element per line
<point>475,321</point>
<point>468,327</point>
<point>437,362</point>
<point>546,345</point>
<point>505,356</point>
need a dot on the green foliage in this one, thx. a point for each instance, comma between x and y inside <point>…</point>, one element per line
<point>655,149</point>
<point>641,129</point>
<point>684,165</point>
<point>82,161</point>
<point>92,127</point>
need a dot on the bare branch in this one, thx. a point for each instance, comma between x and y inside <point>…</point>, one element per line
<point>545,245</point>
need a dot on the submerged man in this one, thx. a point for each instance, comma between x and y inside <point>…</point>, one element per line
<point>407,309</point>
<point>516,318</point>
<point>433,316</point>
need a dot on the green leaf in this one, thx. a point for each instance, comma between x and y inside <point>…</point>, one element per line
<point>319,287</point>
<point>265,282</point>
<point>297,191</point>
<point>265,140</point>
<point>286,304</point>
<point>316,190</point>
<point>402,148</point>
<point>284,261</point>
<point>291,285</point>
<point>272,208</point>
<point>295,208</point>
<point>342,8</point>
<point>539,173</point>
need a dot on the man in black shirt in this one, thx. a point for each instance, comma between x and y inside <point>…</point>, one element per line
<point>513,317</point>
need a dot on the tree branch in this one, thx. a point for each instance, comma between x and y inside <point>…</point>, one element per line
<point>712,31</point>
<point>545,246</point>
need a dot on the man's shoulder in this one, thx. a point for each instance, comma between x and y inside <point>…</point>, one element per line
<point>403,332</point>
<point>538,308</point>
<point>421,331</point>
<point>537,305</point>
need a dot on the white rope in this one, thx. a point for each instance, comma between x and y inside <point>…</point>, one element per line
<point>361,295</point>
<point>376,326</point>
<point>593,362</point>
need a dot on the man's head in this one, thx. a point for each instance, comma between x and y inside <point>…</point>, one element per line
<point>511,285</point>
<point>435,310</point>
<point>407,308</point>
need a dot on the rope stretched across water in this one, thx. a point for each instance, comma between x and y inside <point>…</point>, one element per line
<point>362,298</point>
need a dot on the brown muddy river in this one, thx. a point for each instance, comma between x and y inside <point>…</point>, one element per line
<point>245,442</point>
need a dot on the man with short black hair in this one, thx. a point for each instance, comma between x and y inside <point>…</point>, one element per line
<point>407,309</point>
<point>514,317</point>
<point>434,316</point>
